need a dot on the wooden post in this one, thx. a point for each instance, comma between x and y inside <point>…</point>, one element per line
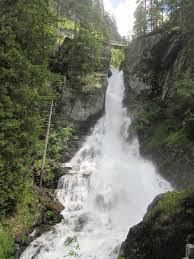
<point>46,145</point>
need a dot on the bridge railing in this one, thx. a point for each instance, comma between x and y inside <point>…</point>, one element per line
<point>119,43</point>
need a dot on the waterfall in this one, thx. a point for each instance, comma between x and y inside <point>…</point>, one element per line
<point>106,192</point>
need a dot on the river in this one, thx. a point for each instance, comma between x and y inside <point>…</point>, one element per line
<point>106,192</point>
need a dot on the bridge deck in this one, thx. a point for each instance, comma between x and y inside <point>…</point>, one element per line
<point>118,44</point>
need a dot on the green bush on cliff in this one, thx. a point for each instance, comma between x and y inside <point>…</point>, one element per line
<point>175,138</point>
<point>117,57</point>
<point>18,224</point>
<point>169,204</point>
<point>85,55</point>
<point>6,243</point>
<point>172,124</point>
<point>58,142</point>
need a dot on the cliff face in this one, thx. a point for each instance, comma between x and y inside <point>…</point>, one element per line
<point>82,106</point>
<point>153,62</point>
<point>82,98</point>
<point>152,70</point>
<point>160,100</point>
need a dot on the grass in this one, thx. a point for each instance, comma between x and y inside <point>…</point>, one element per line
<point>168,206</point>
<point>6,243</point>
<point>20,223</point>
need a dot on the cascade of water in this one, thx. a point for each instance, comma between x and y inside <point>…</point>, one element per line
<point>105,193</point>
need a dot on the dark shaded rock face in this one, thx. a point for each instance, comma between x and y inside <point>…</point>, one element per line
<point>164,231</point>
<point>151,67</point>
<point>151,62</point>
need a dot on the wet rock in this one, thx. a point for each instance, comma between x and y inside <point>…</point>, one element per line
<point>66,166</point>
<point>82,221</point>
<point>109,73</point>
<point>40,230</point>
<point>70,240</point>
<point>37,252</point>
<point>54,206</point>
<point>164,231</point>
<point>104,203</point>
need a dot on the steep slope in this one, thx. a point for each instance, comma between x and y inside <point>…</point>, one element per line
<point>159,93</point>
<point>158,73</point>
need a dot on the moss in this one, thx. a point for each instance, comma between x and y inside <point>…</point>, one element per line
<point>169,205</point>
<point>49,215</point>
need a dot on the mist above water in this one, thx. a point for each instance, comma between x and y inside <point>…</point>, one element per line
<point>106,192</point>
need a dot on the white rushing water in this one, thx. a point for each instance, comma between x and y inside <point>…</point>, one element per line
<point>106,192</point>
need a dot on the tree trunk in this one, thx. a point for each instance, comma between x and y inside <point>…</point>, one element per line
<point>46,145</point>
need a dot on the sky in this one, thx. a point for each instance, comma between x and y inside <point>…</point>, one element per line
<point>123,11</point>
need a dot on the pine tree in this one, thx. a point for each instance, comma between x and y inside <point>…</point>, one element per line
<point>26,41</point>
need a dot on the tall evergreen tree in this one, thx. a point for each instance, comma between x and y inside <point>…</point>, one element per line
<point>26,41</point>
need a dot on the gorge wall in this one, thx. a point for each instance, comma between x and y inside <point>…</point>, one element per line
<point>159,96</point>
<point>157,81</point>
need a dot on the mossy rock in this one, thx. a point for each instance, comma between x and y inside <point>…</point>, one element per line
<point>164,230</point>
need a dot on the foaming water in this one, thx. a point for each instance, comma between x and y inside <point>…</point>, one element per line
<point>106,192</point>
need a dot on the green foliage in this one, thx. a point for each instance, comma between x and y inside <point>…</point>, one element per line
<point>66,24</point>
<point>175,29</point>
<point>140,26</point>
<point>58,142</point>
<point>25,47</point>
<point>86,53</point>
<point>26,209</point>
<point>92,27</point>
<point>117,57</point>
<point>184,85</point>
<point>150,114</point>
<point>49,215</point>
<point>17,225</point>
<point>167,206</point>
<point>6,243</point>
<point>174,15</point>
<point>156,140</point>
<point>175,138</point>
<point>75,248</point>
